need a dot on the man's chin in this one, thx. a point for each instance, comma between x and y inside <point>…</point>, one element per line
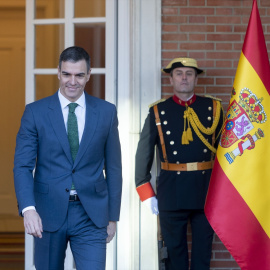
<point>186,92</point>
<point>74,95</point>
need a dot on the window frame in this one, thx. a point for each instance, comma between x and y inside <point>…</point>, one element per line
<point>69,25</point>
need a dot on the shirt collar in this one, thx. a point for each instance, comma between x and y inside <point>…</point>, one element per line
<point>182,102</point>
<point>64,101</point>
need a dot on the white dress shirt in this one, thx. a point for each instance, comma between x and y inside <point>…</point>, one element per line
<point>80,114</point>
<point>79,111</point>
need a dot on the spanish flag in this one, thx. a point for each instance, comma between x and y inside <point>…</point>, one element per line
<point>238,200</point>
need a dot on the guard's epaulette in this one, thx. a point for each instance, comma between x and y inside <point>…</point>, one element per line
<point>158,101</point>
<point>215,98</point>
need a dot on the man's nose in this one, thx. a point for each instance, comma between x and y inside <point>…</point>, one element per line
<point>73,80</point>
<point>184,76</point>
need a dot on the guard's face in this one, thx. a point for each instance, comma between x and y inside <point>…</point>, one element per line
<point>183,80</point>
<point>73,78</point>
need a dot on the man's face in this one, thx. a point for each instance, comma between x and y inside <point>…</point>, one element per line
<point>72,79</point>
<point>183,80</point>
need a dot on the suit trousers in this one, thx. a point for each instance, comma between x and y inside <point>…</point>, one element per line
<point>87,243</point>
<point>174,231</point>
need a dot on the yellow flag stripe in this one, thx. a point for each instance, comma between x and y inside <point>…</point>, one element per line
<point>249,173</point>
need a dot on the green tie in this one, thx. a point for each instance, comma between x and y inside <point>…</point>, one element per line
<point>72,130</point>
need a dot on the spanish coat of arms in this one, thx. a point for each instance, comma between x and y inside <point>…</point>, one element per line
<point>239,124</point>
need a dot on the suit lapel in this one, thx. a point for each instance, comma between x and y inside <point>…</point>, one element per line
<point>57,121</point>
<point>91,120</point>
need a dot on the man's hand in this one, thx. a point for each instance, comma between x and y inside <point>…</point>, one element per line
<point>111,229</point>
<point>32,223</point>
<point>152,204</point>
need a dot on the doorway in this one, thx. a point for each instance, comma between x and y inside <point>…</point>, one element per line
<point>12,69</point>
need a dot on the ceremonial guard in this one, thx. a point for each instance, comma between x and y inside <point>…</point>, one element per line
<point>185,128</point>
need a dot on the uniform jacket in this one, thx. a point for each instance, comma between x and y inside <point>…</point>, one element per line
<point>176,190</point>
<point>42,144</point>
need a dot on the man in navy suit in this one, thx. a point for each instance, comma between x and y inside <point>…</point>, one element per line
<point>70,197</point>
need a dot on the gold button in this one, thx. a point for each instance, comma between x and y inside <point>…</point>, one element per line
<point>171,142</point>
<point>209,118</point>
<point>175,152</point>
<point>205,150</point>
<point>168,132</point>
<point>209,108</point>
<point>165,122</point>
<point>177,162</point>
<point>203,172</point>
<point>162,112</point>
<point>178,172</point>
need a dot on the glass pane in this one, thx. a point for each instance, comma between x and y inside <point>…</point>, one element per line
<point>46,85</point>
<point>49,45</point>
<point>45,9</point>
<point>92,38</point>
<point>96,86</point>
<point>89,8</point>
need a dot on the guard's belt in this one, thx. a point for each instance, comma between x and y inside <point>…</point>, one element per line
<point>192,166</point>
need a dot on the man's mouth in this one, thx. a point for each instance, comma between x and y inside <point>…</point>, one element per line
<point>72,88</point>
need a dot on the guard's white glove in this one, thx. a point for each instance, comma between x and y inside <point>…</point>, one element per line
<point>152,204</point>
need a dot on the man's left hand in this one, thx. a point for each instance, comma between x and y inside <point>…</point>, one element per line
<point>111,229</point>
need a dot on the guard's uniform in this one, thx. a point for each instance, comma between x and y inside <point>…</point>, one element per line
<point>185,175</point>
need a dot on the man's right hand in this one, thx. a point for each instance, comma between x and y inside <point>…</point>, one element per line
<point>152,204</point>
<point>32,223</point>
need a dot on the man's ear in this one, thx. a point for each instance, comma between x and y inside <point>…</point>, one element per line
<point>58,73</point>
<point>171,80</point>
<point>196,80</point>
<point>89,74</point>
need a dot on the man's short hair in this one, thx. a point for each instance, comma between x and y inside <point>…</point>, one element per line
<point>75,54</point>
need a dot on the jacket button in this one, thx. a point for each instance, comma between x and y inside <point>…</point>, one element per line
<point>67,190</point>
<point>73,171</point>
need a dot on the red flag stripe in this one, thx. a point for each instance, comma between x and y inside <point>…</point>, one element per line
<point>237,226</point>
<point>255,49</point>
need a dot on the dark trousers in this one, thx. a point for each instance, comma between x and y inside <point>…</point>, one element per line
<point>87,243</point>
<point>174,231</point>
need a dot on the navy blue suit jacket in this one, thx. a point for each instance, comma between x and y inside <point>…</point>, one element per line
<point>42,144</point>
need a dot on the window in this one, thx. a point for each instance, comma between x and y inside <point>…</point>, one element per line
<point>54,25</point>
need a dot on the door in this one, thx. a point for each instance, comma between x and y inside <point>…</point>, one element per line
<point>132,62</point>
<point>51,26</point>
<point>12,55</point>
